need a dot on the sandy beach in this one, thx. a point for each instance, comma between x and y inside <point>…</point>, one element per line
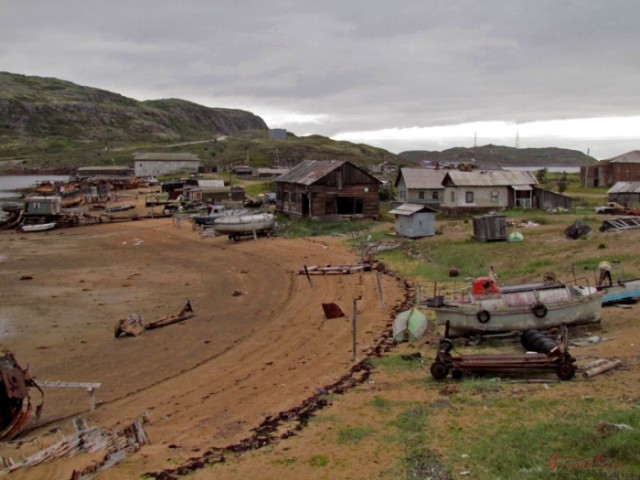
<point>259,343</point>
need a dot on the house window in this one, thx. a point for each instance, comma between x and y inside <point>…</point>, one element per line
<point>494,196</point>
<point>435,196</point>
<point>421,194</point>
<point>468,197</point>
<point>453,196</point>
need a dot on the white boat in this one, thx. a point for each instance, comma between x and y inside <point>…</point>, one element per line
<point>37,227</point>
<point>237,225</point>
<point>488,308</point>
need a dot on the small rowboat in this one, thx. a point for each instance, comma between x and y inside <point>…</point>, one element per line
<point>37,227</point>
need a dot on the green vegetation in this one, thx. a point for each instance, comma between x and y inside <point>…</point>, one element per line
<point>306,227</point>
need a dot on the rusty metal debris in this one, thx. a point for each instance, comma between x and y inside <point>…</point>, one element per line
<point>331,310</point>
<point>134,324</point>
<point>557,360</point>
<point>15,401</point>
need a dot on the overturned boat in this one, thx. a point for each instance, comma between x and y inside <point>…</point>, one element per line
<point>238,225</point>
<point>488,308</point>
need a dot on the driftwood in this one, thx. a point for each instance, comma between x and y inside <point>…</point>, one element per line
<point>334,270</point>
<point>87,440</point>
<point>134,324</point>
<point>610,365</point>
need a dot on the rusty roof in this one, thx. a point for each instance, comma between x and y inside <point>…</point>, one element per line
<point>625,187</point>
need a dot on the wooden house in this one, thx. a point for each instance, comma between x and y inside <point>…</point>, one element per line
<point>420,186</point>
<point>414,221</point>
<point>328,188</point>
<point>623,168</point>
<point>487,190</point>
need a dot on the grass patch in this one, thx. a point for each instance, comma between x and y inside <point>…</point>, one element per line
<point>508,447</point>
<point>319,461</point>
<point>306,227</point>
<point>398,362</point>
<point>353,435</point>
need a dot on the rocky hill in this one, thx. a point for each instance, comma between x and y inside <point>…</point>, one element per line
<point>47,115</point>
<point>491,156</point>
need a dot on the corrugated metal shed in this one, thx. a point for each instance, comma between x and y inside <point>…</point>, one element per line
<point>410,209</point>
<point>625,187</point>
<point>489,178</point>
<point>414,220</point>
<point>425,178</point>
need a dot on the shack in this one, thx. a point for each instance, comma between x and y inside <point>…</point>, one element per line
<point>490,228</point>
<point>625,193</point>
<point>325,189</point>
<point>415,221</point>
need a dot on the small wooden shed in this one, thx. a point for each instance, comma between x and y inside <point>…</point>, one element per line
<point>490,228</point>
<point>414,221</point>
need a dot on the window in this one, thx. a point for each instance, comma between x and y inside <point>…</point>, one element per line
<point>468,197</point>
<point>421,194</point>
<point>435,196</point>
<point>453,196</point>
<point>494,196</point>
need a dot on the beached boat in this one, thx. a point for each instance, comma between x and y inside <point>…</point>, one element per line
<point>217,211</point>
<point>37,227</point>
<point>119,208</point>
<point>488,308</point>
<point>621,291</point>
<point>238,225</point>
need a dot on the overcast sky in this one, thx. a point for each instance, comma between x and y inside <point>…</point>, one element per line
<point>401,74</point>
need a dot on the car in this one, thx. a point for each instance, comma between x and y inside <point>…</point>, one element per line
<point>610,207</point>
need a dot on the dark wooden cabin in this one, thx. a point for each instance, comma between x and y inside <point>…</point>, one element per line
<point>324,189</point>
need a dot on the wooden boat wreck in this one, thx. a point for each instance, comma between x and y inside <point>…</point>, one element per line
<point>238,225</point>
<point>488,308</point>
<point>134,325</point>
<point>16,404</point>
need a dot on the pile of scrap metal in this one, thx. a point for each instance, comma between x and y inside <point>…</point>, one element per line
<point>134,325</point>
<point>15,402</point>
<point>548,356</point>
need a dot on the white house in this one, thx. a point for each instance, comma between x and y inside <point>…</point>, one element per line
<point>488,190</point>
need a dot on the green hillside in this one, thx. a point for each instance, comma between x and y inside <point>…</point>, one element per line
<point>489,156</point>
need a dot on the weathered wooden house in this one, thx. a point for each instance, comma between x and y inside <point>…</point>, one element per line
<point>415,221</point>
<point>420,185</point>
<point>547,200</point>
<point>328,188</point>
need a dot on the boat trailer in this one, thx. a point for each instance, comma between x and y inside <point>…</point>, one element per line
<point>554,359</point>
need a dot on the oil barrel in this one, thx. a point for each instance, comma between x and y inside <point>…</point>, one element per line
<point>536,341</point>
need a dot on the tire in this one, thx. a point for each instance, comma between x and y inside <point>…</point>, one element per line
<point>566,371</point>
<point>439,371</point>
<point>483,316</point>
<point>446,345</point>
<point>539,310</point>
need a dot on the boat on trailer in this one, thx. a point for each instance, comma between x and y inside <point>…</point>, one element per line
<point>489,309</point>
<point>238,225</point>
